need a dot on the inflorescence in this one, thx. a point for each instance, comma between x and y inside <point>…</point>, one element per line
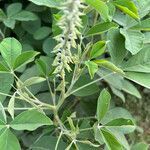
<point>70,23</point>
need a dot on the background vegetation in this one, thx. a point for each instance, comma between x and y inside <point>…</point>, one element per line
<point>114,44</point>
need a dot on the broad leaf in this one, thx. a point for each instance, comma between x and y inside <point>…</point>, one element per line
<point>6,80</point>
<point>48,48</point>
<point>144,25</point>
<point>122,125</point>
<point>139,62</point>
<point>108,65</point>
<point>100,7</point>
<point>140,146</point>
<point>13,9</point>
<point>128,87</point>
<point>110,140</point>
<point>88,90</point>
<point>140,78</point>
<point>42,33</point>
<point>112,79</point>
<point>92,68</point>
<point>143,7</point>
<point>133,40</point>
<point>3,69</point>
<point>30,120</point>
<point>9,141</point>
<point>24,58</point>
<point>117,51</point>
<point>9,22</point>
<point>10,49</point>
<point>147,38</point>
<point>98,49</point>
<point>3,118</point>
<point>48,143</point>
<point>101,28</point>
<point>25,16</point>
<point>48,3</point>
<point>103,104</point>
<point>31,26</point>
<point>116,113</point>
<point>2,15</point>
<point>42,67</point>
<point>120,137</point>
<point>118,93</point>
<point>127,7</point>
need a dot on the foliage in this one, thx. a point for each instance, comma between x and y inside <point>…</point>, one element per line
<point>60,63</point>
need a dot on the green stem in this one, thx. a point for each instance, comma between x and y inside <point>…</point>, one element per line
<point>3,94</point>
<point>62,95</point>
<point>34,100</point>
<point>50,90</point>
<point>60,135</point>
<point>86,129</point>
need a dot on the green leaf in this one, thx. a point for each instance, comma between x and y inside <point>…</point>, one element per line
<point>120,137</point>
<point>43,144</point>
<point>48,3</point>
<point>108,65</point>
<point>133,40</point>
<point>31,26</point>
<point>2,15</point>
<point>9,22</point>
<point>13,9</point>
<point>3,118</point>
<point>11,105</point>
<point>147,38</point>
<point>140,146</point>
<point>114,80</point>
<point>130,88</point>
<point>143,7</point>
<point>98,49</point>
<point>139,78</point>
<point>25,16</point>
<point>42,33</point>
<point>89,90</point>
<point>116,113</point>
<point>9,141</point>
<point>42,66</point>
<point>110,140</point>
<point>123,125</point>
<point>100,7</point>
<point>29,73</point>
<point>3,69</point>
<point>144,25</point>
<point>6,80</point>
<point>49,45</point>
<point>117,51</point>
<point>101,28</point>
<point>127,7</point>
<point>10,49</point>
<point>33,80</point>
<point>30,120</point>
<point>24,58</point>
<point>97,134</point>
<point>118,93</point>
<point>92,68</point>
<point>103,104</point>
<point>139,62</point>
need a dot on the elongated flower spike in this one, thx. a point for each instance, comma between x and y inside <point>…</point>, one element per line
<point>70,22</point>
